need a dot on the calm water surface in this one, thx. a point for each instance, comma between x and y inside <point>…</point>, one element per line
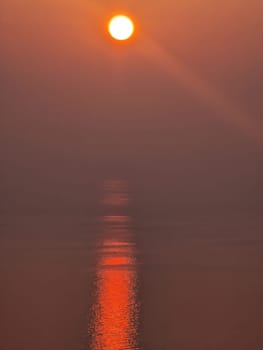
<point>120,281</point>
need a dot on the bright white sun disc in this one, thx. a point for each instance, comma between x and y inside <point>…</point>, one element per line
<point>121,27</point>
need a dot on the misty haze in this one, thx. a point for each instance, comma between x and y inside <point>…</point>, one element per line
<point>131,179</point>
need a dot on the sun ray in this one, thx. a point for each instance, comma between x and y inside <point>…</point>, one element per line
<point>202,89</point>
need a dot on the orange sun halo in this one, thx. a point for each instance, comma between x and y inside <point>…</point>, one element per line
<point>121,27</point>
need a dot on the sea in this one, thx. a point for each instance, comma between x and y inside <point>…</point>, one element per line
<point>117,279</point>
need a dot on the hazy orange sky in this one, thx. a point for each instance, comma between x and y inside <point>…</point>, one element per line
<point>77,108</point>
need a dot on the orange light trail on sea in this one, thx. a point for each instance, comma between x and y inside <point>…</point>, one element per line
<point>115,309</point>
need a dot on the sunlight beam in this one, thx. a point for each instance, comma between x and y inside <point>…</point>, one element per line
<point>202,89</point>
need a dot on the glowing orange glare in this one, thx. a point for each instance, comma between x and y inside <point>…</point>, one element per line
<point>115,309</point>
<point>113,327</point>
<point>114,322</point>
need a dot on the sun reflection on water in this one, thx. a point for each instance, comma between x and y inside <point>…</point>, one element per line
<point>114,324</point>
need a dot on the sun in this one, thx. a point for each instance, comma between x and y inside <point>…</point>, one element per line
<point>121,27</point>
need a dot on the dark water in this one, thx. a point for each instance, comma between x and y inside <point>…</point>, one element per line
<point>119,280</point>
